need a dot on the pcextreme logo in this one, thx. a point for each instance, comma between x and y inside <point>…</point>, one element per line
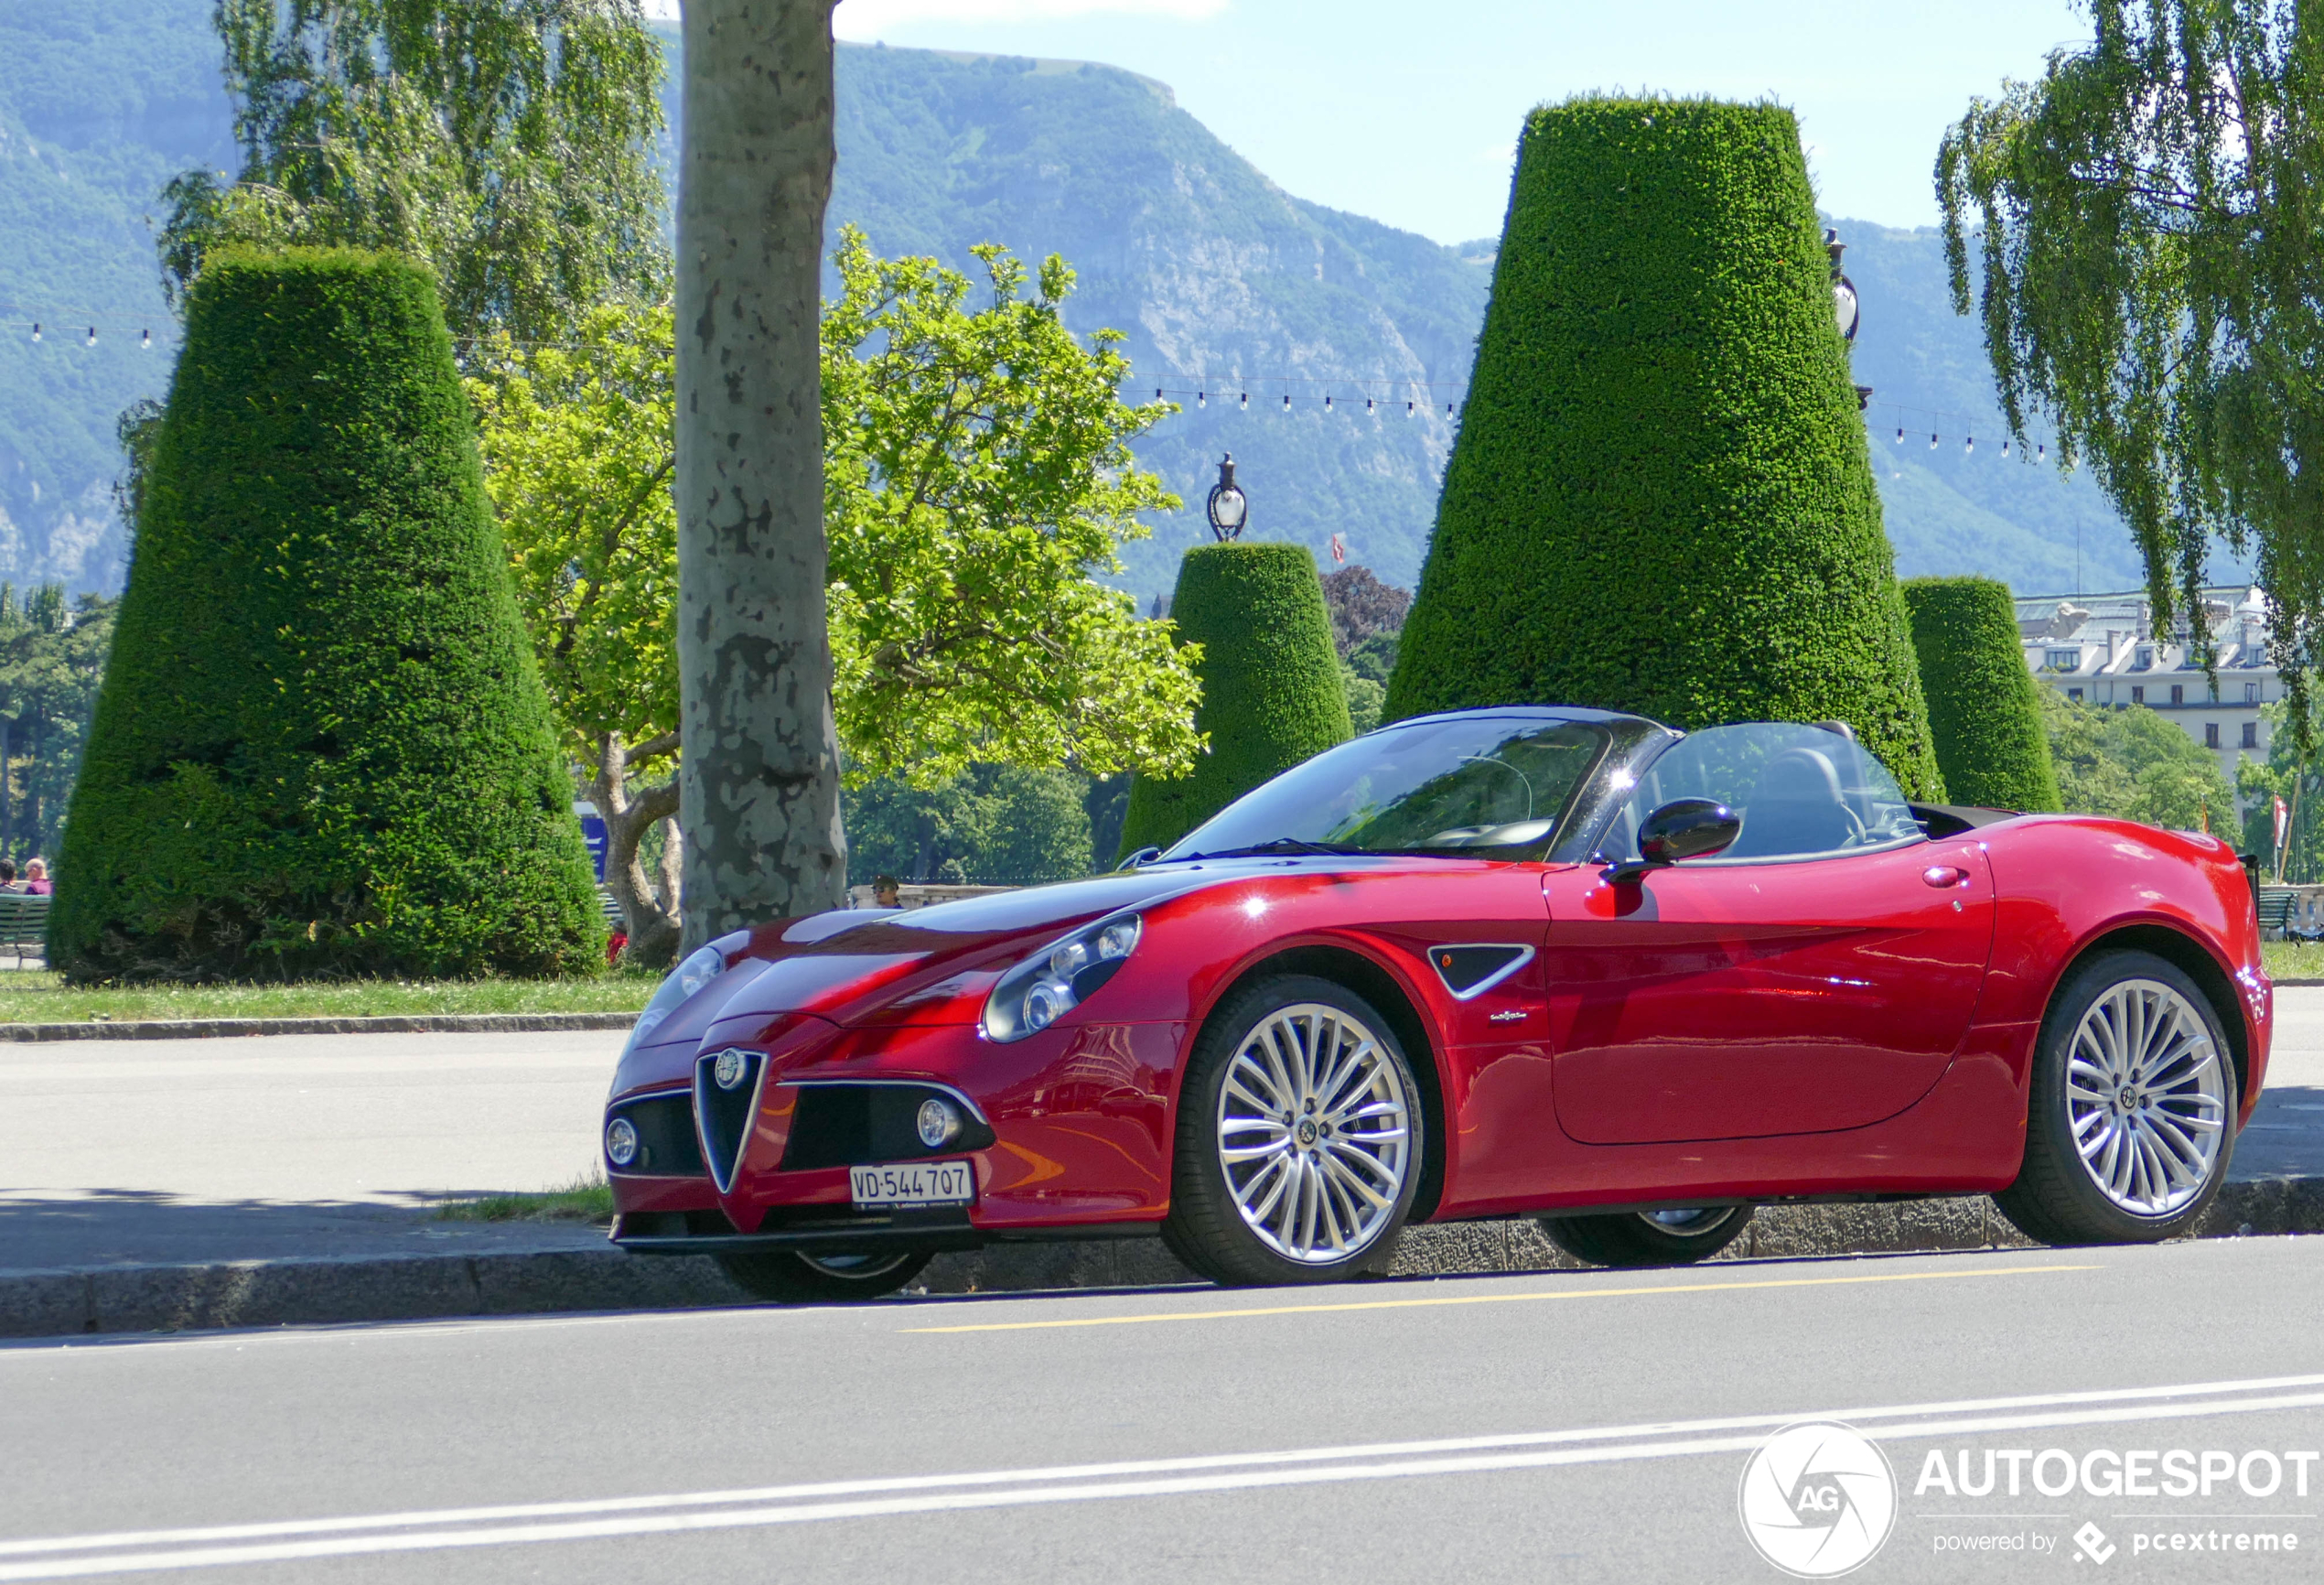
<point>1817,1499</point>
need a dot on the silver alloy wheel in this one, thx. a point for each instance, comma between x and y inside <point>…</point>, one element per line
<point>2145,1097</point>
<point>855,1268</point>
<point>1692,1219</point>
<point>1315,1133</point>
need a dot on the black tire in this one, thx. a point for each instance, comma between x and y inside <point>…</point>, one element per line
<point>787,1277</point>
<point>2058,1198</point>
<point>1640,1238</point>
<point>1207,1227</point>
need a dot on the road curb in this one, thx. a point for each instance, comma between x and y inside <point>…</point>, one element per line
<point>413,1024</point>
<point>304,1293</point>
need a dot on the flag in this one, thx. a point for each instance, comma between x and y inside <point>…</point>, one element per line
<point>1339,548</point>
<point>2283,821</point>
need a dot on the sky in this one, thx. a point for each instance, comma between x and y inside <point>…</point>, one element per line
<point>1408,112</point>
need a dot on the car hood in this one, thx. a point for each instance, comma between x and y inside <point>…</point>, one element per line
<point>933,964</point>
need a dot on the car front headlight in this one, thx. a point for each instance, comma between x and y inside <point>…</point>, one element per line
<point>702,965</point>
<point>1059,977</point>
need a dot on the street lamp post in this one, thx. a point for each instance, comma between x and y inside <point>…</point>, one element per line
<point>1227,508</point>
<point>1845,309</point>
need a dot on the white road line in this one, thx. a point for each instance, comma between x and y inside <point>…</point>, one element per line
<point>1166,1477</point>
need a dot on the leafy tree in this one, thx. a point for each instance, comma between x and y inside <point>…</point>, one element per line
<point>507,144</point>
<point>2133,765</point>
<point>1364,609</point>
<point>997,824</point>
<point>2151,245</point>
<point>970,538</point>
<point>759,784</point>
<point>579,450</point>
<point>977,474</point>
<point>1661,406</point>
<point>321,748</point>
<point>2296,776</point>
<point>52,658</point>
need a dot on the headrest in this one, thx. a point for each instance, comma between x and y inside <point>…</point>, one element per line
<point>1799,775</point>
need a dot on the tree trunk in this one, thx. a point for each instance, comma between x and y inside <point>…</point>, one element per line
<point>651,922</point>
<point>760,772</point>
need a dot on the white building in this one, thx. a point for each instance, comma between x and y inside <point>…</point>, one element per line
<point>2102,650</point>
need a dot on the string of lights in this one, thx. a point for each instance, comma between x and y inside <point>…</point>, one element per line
<point>82,328</point>
<point>1908,425</point>
<point>1239,394</point>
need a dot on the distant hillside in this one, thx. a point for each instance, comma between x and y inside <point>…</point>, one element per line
<point>1220,279</point>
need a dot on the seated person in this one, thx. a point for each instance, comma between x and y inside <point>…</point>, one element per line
<point>35,877</point>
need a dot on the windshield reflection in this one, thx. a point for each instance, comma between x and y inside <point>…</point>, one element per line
<point>1493,786</point>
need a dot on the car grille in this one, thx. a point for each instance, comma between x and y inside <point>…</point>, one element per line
<point>725,1114</point>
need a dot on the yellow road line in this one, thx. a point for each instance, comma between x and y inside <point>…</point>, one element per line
<point>1505,1298</point>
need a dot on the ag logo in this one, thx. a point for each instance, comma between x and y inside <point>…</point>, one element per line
<point>1817,1499</point>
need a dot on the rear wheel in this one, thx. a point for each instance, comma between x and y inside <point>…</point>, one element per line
<point>2132,1118</point>
<point>789,1277</point>
<point>1299,1130</point>
<point>1649,1237</point>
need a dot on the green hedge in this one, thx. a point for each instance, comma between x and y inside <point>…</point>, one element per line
<point>1271,690</point>
<point>1983,709</point>
<point>1660,498</point>
<point>322,748</point>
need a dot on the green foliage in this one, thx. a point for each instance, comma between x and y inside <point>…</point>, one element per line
<point>579,447</point>
<point>1365,697</point>
<point>976,476</point>
<point>1982,714</point>
<point>1272,693</point>
<point>506,143</point>
<point>52,657</point>
<point>995,823</point>
<point>2297,778</point>
<point>2134,765</point>
<point>322,748</point>
<point>1660,499</point>
<point>2149,253</point>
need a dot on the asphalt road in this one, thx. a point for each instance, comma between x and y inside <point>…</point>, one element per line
<point>1536,1428</point>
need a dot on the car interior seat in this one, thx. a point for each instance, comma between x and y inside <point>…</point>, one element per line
<point>1797,807</point>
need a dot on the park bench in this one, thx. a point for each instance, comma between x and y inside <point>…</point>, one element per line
<point>24,924</point>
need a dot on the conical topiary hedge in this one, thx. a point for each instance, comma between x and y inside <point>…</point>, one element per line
<point>1660,498</point>
<point>322,747</point>
<point>1983,712</point>
<point>1271,689</point>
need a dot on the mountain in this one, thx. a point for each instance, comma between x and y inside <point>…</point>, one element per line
<point>1222,282</point>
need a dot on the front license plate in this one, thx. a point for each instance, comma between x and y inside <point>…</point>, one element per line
<point>913,1183</point>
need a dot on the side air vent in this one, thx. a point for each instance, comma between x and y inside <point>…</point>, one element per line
<point>666,1144</point>
<point>1473,968</point>
<point>725,1104</point>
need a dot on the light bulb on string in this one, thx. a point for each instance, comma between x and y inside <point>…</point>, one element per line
<point>1899,435</point>
<point>1969,445</point>
<point>1412,409</point>
<point>144,341</point>
<point>2004,448</point>
<point>2042,450</point>
<point>1157,392</point>
<point>1201,400</point>
<point>36,330</point>
<point>1246,401</point>
<point>1327,403</point>
<point>1932,440</point>
<point>1367,404</point>
<point>1448,411</point>
<point>1286,401</point>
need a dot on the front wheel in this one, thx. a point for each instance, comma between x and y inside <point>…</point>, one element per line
<point>2132,1117</point>
<point>1649,1237</point>
<point>789,1277</point>
<point>1299,1129</point>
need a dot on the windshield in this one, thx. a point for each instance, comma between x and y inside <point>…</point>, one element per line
<point>1803,792</point>
<point>1472,783</point>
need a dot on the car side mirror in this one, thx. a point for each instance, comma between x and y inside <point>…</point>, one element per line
<point>1683,828</point>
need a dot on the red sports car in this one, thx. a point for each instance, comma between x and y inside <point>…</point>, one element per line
<point>1512,962</point>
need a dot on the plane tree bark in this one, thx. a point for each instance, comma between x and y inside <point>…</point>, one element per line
<point>760,767</point>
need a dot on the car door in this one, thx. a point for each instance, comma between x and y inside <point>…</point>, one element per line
<point>1777,991</point>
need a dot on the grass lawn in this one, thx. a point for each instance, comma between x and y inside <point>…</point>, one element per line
<point>582,1199</point>
<point>2293,959</point>
<point>37,996</point>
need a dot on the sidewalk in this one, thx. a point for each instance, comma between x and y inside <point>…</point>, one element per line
<point>292,1179</point>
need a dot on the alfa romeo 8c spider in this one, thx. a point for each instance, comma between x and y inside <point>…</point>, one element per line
<point>1525,961</point>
